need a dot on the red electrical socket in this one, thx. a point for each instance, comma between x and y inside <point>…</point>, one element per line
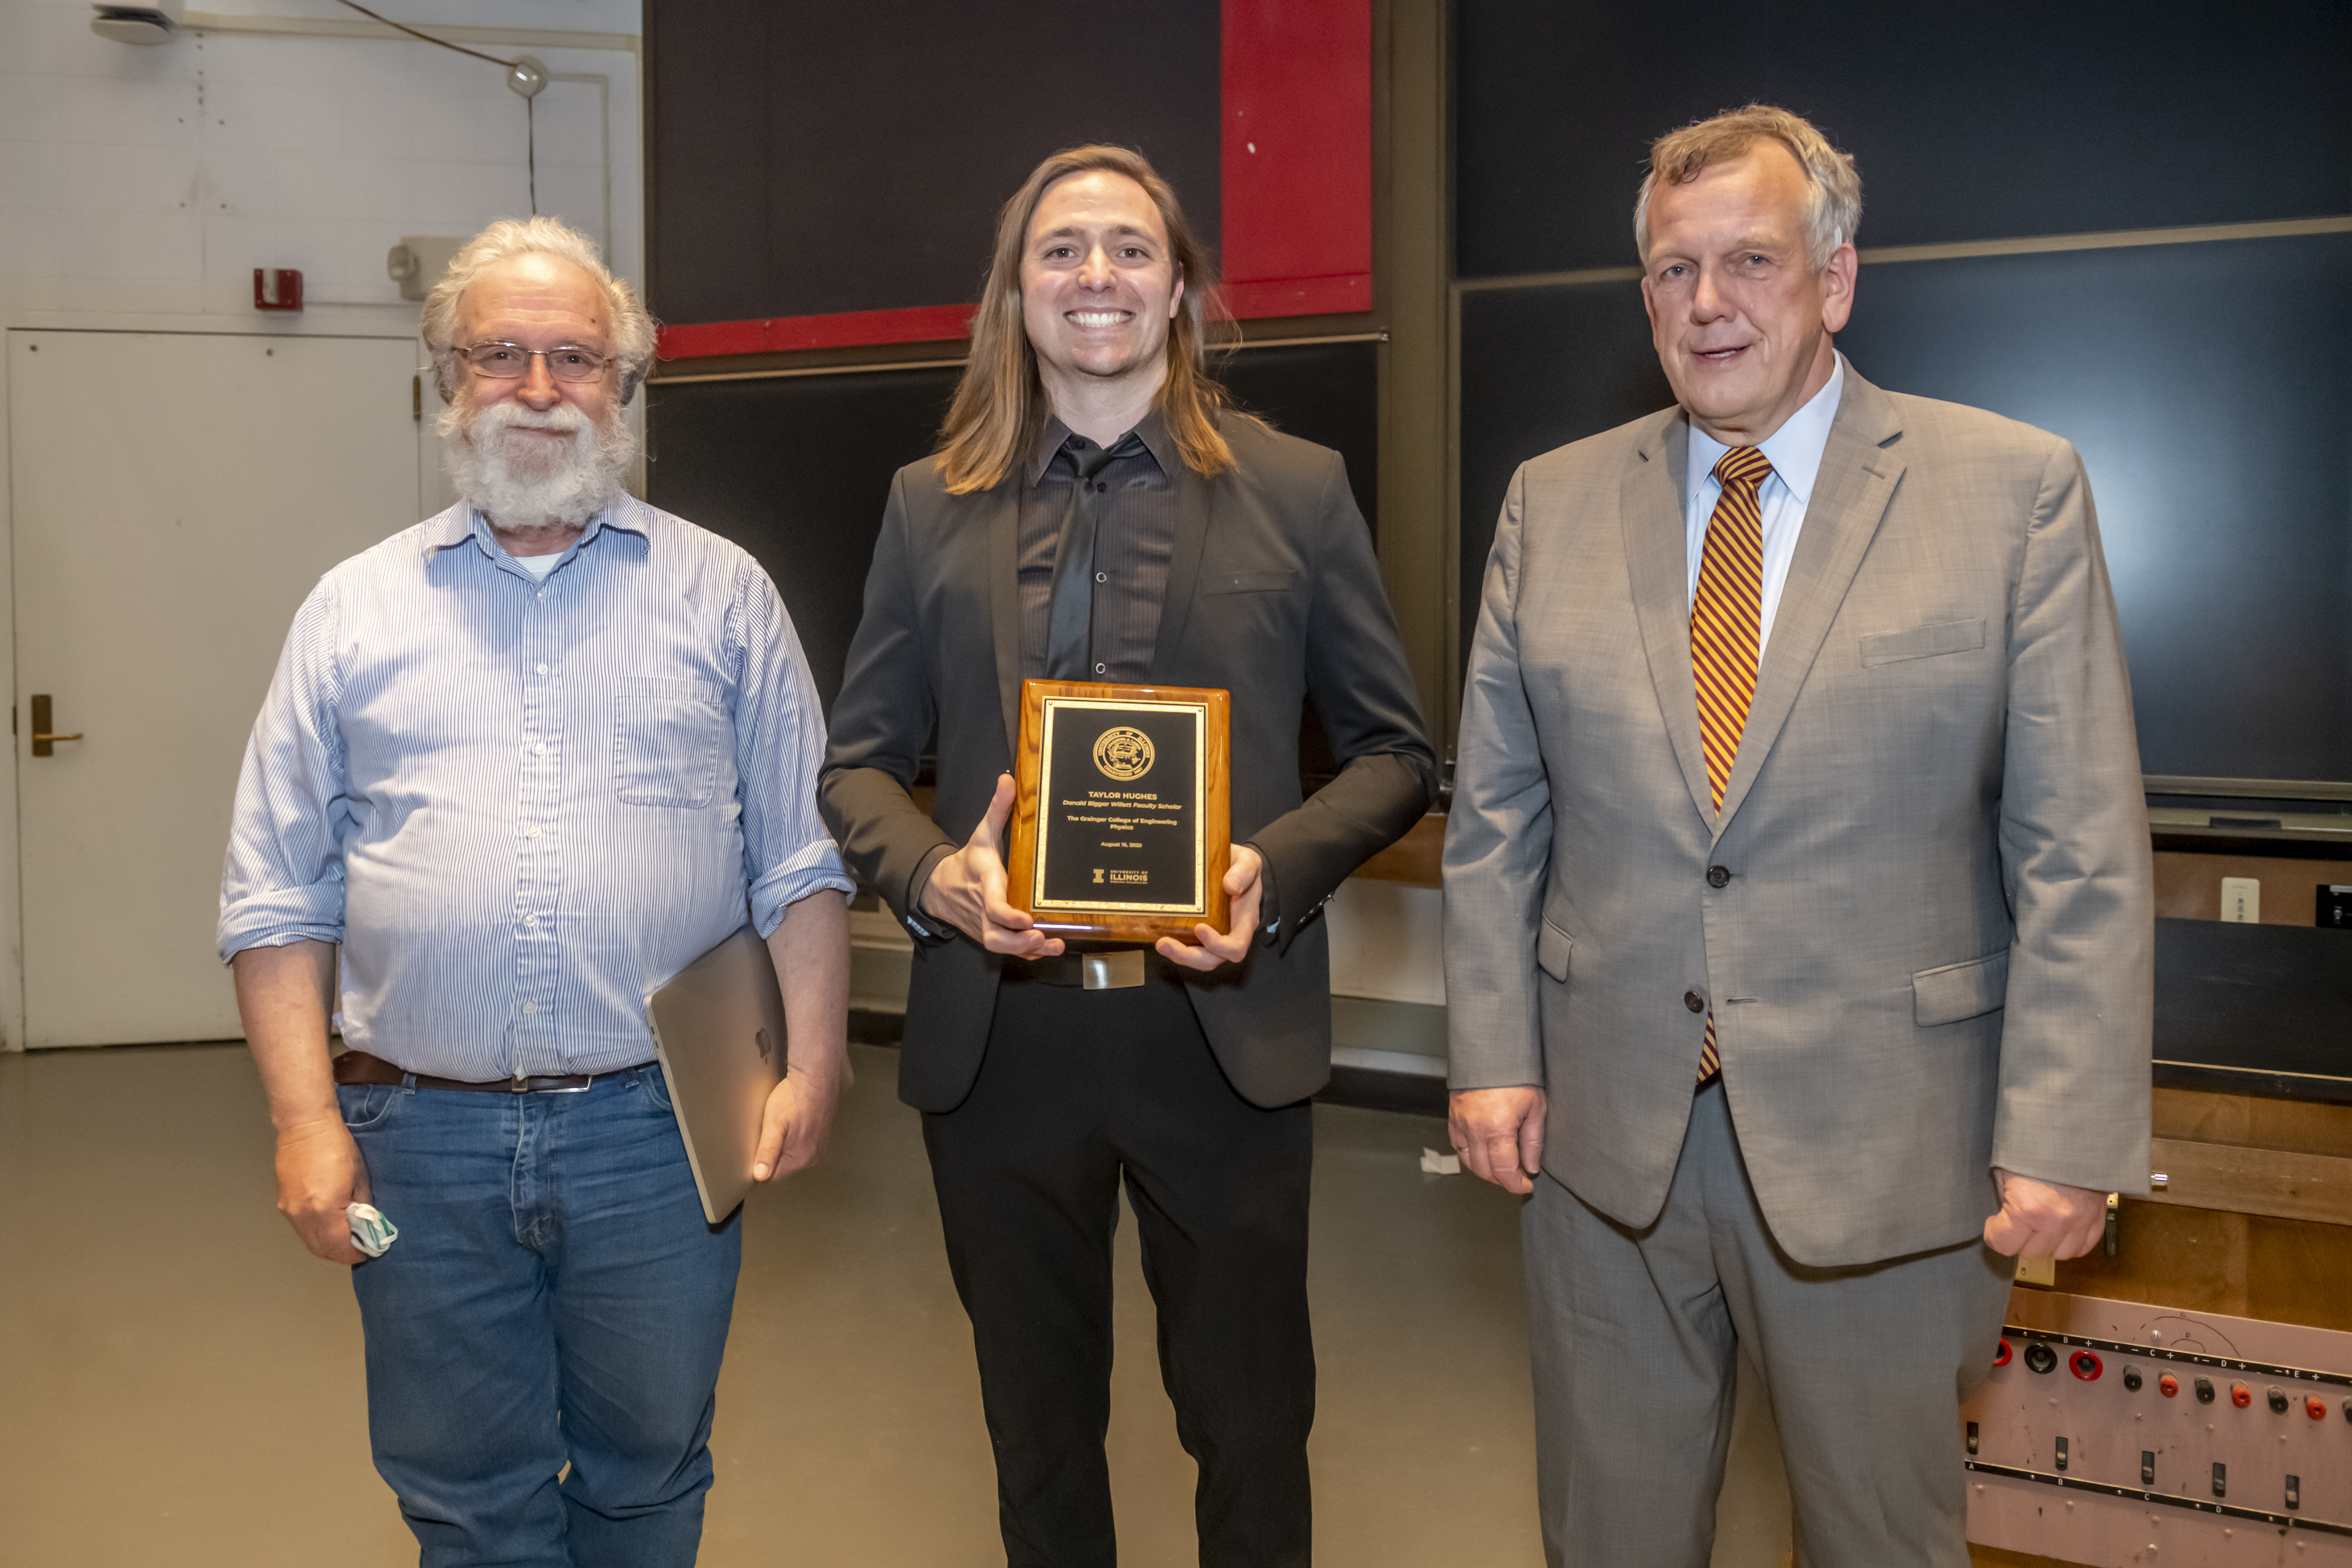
<point>277,288</point>
<point>2241,1395</point>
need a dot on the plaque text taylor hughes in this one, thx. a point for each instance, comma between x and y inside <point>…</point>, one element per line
<point>1121,824</point>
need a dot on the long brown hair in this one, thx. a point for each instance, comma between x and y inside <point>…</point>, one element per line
<point>1000,406</point>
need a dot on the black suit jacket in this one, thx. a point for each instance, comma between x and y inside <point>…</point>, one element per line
<point>1273,594</point>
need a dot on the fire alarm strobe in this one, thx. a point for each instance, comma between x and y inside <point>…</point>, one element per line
<point>277,288</point>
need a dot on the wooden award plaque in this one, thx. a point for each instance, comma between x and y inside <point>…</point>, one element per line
<point>1122,820</point>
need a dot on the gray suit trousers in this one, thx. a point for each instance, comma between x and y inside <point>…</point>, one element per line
<point>1637,1336</point>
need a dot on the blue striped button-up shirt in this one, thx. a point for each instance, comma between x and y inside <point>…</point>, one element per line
<point>521,805</point>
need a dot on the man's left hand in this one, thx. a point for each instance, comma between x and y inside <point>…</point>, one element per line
<point>2045,1218</point>
<point>1242,891</point>
<point>798,1120</point>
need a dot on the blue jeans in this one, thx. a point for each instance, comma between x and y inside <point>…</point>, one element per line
<point>554,1298</point>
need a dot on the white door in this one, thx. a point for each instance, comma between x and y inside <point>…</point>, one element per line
<point>174,497</point>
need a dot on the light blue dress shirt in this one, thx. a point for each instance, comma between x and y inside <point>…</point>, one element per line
<point>1794,450</point>
<point>519,805</point>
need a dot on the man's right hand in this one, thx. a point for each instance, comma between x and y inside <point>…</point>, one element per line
<point>1499,1133</point>
<point>966,889</point>
<point>320,1173</point>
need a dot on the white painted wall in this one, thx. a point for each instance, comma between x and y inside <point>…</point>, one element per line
<point>153,180</point>
<point>1388,942</point>
<point>141,186</point>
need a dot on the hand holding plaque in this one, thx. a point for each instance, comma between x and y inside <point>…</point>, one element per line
<point>1122,813</point>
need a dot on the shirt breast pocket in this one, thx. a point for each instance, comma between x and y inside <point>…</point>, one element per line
<point>667,736</point>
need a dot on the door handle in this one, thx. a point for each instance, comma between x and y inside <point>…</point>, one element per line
<point>42,746</point>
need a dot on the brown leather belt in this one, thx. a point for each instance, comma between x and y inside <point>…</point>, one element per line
<point>359,1067</point>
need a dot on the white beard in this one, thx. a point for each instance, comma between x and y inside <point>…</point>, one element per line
<point>528,481</point>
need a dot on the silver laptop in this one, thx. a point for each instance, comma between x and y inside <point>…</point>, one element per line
<point>719,1033</point>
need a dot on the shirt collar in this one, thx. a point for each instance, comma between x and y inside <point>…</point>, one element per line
<point>1795,449</point>
<point>1151,427</point>
<point>465,522</point>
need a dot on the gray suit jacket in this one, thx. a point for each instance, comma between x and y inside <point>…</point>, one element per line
<point>1273,594</point>
<point>1934,953</point>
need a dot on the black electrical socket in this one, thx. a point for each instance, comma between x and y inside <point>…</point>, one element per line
<point>2335,907</point>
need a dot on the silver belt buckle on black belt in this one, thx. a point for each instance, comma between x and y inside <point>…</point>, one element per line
<point>1114,971</point>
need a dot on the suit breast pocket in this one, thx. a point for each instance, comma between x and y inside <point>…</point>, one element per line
<point>667,738</point>
<point>1924,642</point>
<point>1218,580</point>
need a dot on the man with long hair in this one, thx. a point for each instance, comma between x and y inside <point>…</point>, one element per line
<point>521,764</point>
<point>1095,512</point>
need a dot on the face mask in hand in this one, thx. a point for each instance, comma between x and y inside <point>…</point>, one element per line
<point>370,1232</point>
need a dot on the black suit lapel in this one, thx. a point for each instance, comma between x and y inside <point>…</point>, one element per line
<point>1003,513</point>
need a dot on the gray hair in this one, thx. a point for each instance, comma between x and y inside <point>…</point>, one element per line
<point>633,328</point>
<point>1833,189</point>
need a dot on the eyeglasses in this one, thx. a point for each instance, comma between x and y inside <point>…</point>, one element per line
<point>510,362</point>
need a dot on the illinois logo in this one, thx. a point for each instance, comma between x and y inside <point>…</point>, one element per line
<point>1123,754</point>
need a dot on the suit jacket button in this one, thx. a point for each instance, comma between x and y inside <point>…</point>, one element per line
<point>1694,1001</point>
<point>1716,876</point>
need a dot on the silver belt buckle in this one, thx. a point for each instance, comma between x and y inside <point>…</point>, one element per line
<point>1111,971</point>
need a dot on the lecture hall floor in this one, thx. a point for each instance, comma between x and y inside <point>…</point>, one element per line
<point>180,1383</point>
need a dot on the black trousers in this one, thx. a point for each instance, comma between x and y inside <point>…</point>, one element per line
<point>1078,1090</point>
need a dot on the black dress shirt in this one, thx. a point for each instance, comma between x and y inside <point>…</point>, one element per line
<point>1135,535</point>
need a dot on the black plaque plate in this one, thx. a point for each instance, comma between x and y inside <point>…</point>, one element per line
<point>1121,826</point>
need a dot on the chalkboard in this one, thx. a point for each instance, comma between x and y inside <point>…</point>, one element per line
<point>2254,1009</point>
<point>2207,386</point>
<point>807,158</point>
<point>1992,120</point>
<point>796,471</point>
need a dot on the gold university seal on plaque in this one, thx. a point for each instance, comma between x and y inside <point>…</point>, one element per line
<point>1123,754</point>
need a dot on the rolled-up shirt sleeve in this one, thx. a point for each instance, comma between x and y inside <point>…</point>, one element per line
<point>780,747</point>
<point>282,881</point>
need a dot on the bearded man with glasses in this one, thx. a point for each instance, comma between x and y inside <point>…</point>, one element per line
<point>519,765</point>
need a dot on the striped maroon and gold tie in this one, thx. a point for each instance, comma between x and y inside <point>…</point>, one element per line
<point>1727,637</point>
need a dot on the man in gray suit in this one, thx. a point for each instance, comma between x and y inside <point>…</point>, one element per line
<point>1798,893</point>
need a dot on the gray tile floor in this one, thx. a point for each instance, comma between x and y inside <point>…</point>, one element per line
<point>180,1383</point>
